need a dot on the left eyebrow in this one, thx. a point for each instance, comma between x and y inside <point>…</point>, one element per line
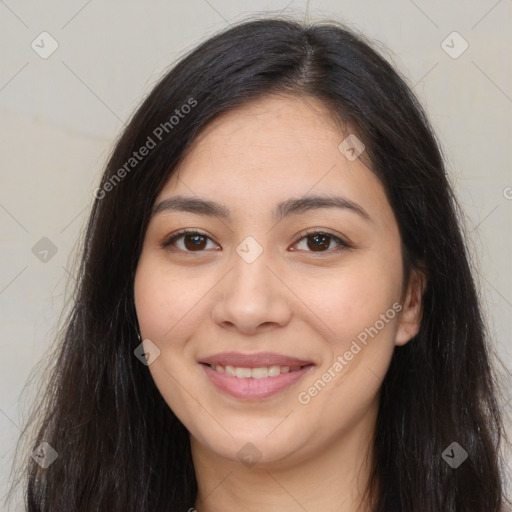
<point>284,209</point>
<point>308,203</point>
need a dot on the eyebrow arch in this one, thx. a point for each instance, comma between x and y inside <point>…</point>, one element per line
<point>284,209</point>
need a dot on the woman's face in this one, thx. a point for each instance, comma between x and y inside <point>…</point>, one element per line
<point>275,324</point>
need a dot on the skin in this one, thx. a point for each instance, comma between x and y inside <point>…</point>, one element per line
<point>292,300</point>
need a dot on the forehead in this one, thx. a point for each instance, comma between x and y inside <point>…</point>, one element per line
<point>272,149</point>
<point>271,134</point>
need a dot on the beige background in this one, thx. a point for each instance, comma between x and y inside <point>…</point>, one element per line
<point>60,116</point>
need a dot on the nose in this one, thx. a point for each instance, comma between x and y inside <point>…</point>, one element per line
<point>252,298</point>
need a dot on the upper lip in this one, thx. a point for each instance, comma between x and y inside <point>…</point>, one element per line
<point>258,360</point>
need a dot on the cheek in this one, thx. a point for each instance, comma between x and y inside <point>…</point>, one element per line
<point>359,307</point>
<point>354,298</point>
<point>167,308</point>
<point>166,302</point>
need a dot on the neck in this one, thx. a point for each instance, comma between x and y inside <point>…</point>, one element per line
<point>334,478</point>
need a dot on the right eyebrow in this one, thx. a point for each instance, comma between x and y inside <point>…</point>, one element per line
<point>192,205</point>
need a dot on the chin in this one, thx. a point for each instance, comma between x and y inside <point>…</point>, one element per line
<point>263,444</point>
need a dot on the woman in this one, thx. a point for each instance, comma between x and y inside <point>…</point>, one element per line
<point>275,308</point>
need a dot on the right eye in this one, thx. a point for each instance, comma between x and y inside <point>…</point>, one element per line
<point>188,240</point>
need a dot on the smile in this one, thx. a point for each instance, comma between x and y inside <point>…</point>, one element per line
<point>254,373</point>
<point>257,383</point>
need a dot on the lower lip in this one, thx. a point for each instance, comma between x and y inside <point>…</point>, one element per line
<point>254,389</point>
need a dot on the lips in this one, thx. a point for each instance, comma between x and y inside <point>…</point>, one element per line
<point>258,360</point>
<point>254,376</point>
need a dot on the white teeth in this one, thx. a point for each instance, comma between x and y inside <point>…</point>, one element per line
<point>259,373</point>
<point>255,373</point>
<point>243,373</point>
<point>274,371</point>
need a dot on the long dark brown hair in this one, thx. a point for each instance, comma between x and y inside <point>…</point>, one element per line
<point>120,447</point>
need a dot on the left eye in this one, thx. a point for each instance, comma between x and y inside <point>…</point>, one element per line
<point>195,241</point>
<point>318,241</point>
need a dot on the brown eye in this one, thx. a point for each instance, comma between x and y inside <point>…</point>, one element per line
<point>318,241</point>
<point>189,241</point>
<point>193,242</point>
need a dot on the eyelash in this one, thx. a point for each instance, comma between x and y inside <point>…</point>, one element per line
<point>304,234</point>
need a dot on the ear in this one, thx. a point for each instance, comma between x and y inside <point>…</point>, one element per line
<point>410,316</point>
